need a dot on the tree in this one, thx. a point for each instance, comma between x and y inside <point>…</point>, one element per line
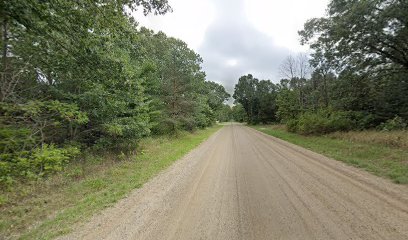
<point>181,86</point>
<point>81,73</point>
<point>217,95</point>
<point>216,98</point>
<point>71,74</point>
<point>296,69</point>
<point>224,114</point>
<point>287,103</point>
<point>238,113</point>
<point>266,93</point>
<point>359,48</point>
<point>366,35</point>
<point>257,98</point>
<point>318,89</point>
<point>245,94</point>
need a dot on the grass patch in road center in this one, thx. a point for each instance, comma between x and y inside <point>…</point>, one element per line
<point>51,208</point>
<point>376,157</point>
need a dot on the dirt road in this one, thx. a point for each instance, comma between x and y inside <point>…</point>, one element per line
<point>242,184</point>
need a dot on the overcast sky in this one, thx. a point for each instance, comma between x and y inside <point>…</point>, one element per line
<point>237,37</point>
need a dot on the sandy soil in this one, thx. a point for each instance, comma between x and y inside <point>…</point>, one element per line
<point>243,184</point>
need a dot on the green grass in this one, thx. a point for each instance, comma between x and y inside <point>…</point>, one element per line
<point>379,159</point>
<point>51,208</point>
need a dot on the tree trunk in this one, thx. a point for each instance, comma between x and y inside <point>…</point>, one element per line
<point>326,94</point>
<point>4,70</point>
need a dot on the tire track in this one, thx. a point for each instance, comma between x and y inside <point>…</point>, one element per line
<point>243,184</point>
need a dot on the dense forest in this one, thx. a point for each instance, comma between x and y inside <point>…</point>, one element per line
<point>356,77</point>
<point>93,106</point>
<point>82,75</point>
<point>79,75</point>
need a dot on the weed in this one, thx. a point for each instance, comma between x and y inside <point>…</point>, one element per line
<point>51,207</point>
<point>381,153</point>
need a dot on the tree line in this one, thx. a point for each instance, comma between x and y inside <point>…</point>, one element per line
<point>355,78</point>
<point>81,74</point>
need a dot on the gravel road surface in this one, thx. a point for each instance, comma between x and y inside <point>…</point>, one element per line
<point>243,184</point>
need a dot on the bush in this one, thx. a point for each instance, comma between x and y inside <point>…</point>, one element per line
<point>363,120</point>
<point>39,162</point>
<point>292,125</point>
<point>340,121</point>
<point>320,122</point>
<point>164,126</point>
<point>397,123</point>
<point>396,139</point>
<point>49,159</point>
<point>312,123</point>
<point>30,134</point>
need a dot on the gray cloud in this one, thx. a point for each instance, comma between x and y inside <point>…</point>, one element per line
<point>232,37</point>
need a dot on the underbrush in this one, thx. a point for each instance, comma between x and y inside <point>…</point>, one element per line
<point>320,122</point>
<point>49,207</point>
<point>325,121</point>
<point>397,139</point>
<point>383,153</point>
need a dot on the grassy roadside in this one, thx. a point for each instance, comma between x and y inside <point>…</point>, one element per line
<point>51,208</point>
<point>363,150</point>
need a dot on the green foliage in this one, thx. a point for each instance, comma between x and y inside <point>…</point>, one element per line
<point>364,35</point>
<point>216,95</point>
<point>238,113</point>
<point>257,98</point>
<point>320,122</point>
<point>292,125</point>
<point>87,187</point>
<point>288,105</point>
<point>370,152</point>
<point>362,120</point>
<point>38,162</point>
<point>245,94</point>
<point>224,114</point>
<point>48,159</point>
<point>397,123</point>
<point>179,97</point>
<point>359,61</point>
<point>365,100</point>
<point>82,73</point>
<point>26,129</point>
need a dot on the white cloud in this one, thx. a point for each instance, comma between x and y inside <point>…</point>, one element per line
<point>232,62</point>
<point>281,20</point>
<point>237,37</point>
<point>188,21</point>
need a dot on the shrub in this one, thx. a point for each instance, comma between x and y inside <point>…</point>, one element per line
<point>340,121</point>
<point>292,125</point>
<point>49,159</point>
<point>312,123</point>
<point>397,123</point>
<point>363,120</point>
<point>397,139</point>
<point>321,122</point>
<point>39,162</point>
<point>166,126</point>
<point>30,134</point>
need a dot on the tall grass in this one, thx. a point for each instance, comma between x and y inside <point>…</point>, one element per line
<point>51,207</point>
<point>381,153</point>
<point>397,139</point>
